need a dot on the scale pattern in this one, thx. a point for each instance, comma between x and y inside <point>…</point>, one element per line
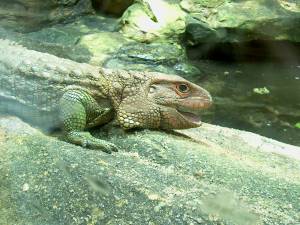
<point>55,91</point>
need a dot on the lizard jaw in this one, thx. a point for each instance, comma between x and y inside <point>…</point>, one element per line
<point>191,117</point>
<point>184,114</point>
<point>190,109</point>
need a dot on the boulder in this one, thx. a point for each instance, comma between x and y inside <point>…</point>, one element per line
<point>213,21</point>
<point>152,20</point>
<point>242,21</point>
<point>161,57</point>
<point>207,175</point>
<point>29,15</point>
<point>95,40</point>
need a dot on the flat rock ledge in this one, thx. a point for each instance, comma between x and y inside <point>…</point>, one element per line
<point>208,175</point>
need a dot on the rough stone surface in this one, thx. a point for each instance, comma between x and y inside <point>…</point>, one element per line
<point>210,175</point>
<point>95,40</point>
<point>28,15</point>
<point>150,20</point>
<point>241,21</point>
<point>161,57</point>
<point>213,21</point>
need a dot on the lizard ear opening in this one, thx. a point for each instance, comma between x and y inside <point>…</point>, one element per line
<point>152,89</point>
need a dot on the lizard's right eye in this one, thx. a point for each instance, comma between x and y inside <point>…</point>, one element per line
<point>183,88</point>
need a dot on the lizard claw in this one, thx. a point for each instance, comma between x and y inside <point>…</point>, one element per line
<point>105,146</point>
<point>86,140</point>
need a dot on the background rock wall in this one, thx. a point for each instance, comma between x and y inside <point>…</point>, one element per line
<point>29,15</point>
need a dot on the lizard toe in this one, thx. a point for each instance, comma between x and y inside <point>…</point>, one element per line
<point>102,145</point>
<point>86,140</point>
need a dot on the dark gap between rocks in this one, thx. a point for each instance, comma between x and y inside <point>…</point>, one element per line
<point>113,8</point>
<point>253,51</point>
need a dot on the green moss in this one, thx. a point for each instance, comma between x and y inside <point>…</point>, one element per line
<point>261,91</point>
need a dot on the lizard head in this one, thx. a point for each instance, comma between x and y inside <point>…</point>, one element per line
<point>162,101</point>
<point>179,101</point>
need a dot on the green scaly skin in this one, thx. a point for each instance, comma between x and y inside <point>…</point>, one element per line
<point>78,111</point>
<point>50,91</point>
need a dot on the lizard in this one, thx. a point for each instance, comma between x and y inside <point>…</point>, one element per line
<point>50,91</point>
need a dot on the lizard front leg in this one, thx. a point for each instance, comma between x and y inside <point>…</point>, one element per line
<point>75,107</point>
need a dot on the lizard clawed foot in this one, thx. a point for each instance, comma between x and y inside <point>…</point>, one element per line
<point>86,140</point>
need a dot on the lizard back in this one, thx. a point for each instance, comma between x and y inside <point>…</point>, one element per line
<point>31,83</point>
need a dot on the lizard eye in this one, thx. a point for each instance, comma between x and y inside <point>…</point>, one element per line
<point>183,88</point>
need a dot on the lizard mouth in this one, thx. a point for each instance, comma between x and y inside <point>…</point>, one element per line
<point>191,109</point>
<point>191,117</point>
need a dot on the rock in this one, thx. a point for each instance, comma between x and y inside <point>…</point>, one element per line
<point>242,21</point>
<point>199,32</point>
<point>153,53</point>
<point>212,21</point>
<point>209,175</point>
<point>161,57</point>
<point>102,45</point>
<point>89,39</point>
<point>94,40</point>
<point>29,15</point>
<point>152,20</point>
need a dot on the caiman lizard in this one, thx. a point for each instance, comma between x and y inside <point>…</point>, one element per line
<point>51,91</point>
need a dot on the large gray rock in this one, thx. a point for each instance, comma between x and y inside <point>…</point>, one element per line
<point>214,21</point>
<point>95,40</point>
<point>241,21</point>
<point>152,20</point>
<point>161,57</point>
<point>209,175</point>
<point>28,15</point>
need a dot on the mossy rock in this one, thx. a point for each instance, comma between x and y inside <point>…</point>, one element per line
<point>209,175</point>
<point>244,21</point>
<point>32,15</point>
<point>149,21</point>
